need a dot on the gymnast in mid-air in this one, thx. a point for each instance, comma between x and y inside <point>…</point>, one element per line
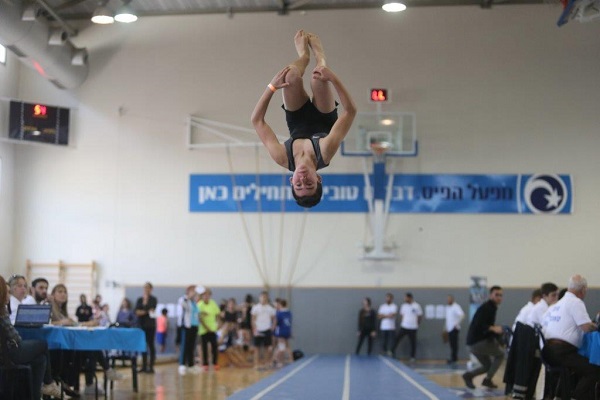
<point>315,128</point>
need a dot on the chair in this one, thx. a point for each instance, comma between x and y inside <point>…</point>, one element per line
<point>9,372</point>
<point>564,374</point>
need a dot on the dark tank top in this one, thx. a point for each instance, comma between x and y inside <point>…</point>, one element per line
<point>316,146</point>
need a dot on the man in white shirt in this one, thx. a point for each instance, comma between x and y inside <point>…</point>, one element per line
<point>263,324</point>
<point>523,365</point>
<point>454,316</point>
<point>387,314</point>
<point>536,296</point>
<point>411,314</point>
<point>564,325</point>
<point>549,297</point>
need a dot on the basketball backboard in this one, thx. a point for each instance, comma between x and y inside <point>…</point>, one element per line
<point>395,130</point>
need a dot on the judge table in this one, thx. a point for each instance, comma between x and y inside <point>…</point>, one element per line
<point>131,340</point>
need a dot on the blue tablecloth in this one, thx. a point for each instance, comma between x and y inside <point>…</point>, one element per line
<point>67,338</point>
<point>591,347</point>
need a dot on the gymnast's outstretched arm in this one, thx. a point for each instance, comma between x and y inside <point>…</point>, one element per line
<point>265,133</point>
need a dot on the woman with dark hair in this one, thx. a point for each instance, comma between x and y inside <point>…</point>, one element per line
<point>145,310</point>
<point>25,352</point>
<point>246,321</point>
<point>367,325</point>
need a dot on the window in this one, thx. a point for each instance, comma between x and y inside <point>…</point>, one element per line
<point>2,54</point>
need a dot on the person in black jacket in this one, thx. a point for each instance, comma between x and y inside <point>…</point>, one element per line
<point>367,325</point>
<point>483,340</point>
<point>145,310</point>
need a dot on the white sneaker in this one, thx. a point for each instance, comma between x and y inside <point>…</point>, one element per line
<point>195,370</point>
<point>113,375</point>
<point>52,390</point>
<point>182,370</point>
<point>92,390</point>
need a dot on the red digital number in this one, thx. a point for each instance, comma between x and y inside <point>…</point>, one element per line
<point>379,95</point>
<point>39,110</point>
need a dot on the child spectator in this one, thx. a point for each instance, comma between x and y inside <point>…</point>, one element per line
<point>162,326</point>
<point>282,333</point>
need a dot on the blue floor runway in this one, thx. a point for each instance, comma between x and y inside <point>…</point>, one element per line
<point>328,377</point>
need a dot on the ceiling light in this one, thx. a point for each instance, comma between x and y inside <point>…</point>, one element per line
<point>393,7</point>
<point>102,15</point>
<point>125,13</point>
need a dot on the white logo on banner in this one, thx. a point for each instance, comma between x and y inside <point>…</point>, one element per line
<point>545,194</point>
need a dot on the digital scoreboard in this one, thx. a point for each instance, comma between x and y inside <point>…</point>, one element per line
<point>38,123</point>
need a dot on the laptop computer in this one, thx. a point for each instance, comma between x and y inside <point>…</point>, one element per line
<point>32,315</point>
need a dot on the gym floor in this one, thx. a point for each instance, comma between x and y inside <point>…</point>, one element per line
<point>311,378</point>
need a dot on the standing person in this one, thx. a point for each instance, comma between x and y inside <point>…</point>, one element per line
<point>83,312</point>
<point>367,326</point>
<point>411,315</point>
<point>315,129</point>
<point>263,323</point>
<point>209,324</point>
<point>145,310</point>
<point>483,340</point>
<point>454,316</point>
<point>564,325</point>
<point>162,327</point>
<point>246,321</point>
<point>282,333</point>
<point>189,331</point>
<point>30,352</point>
<point>387,313</point>
<point>179,321</point>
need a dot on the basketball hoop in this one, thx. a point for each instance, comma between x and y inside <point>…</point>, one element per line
<point>380,148</point>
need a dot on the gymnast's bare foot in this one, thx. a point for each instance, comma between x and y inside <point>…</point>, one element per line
<point>317,47</point>
<point>301,42</point>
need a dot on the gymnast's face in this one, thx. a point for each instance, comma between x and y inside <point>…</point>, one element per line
<point>304,181</point>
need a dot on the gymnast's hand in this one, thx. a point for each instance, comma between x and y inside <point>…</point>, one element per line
<point>278,80</point>
<point>323,74</point>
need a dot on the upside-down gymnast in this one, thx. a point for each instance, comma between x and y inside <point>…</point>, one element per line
<point>315,128</point>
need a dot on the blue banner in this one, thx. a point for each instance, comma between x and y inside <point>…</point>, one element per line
<point>410,193</point>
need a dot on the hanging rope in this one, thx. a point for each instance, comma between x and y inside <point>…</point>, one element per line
<point>244,225</point>
<point>281,226</point>
<point>260,221</point>
<point>298,247</point>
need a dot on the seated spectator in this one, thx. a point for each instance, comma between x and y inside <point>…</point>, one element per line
<point>18,295</point>
<point>39,291</point>
<point>61,317</point>
<point>25,352</point>
<point>229,328</point>
<point>126,317</point>
<point>564,325</point>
